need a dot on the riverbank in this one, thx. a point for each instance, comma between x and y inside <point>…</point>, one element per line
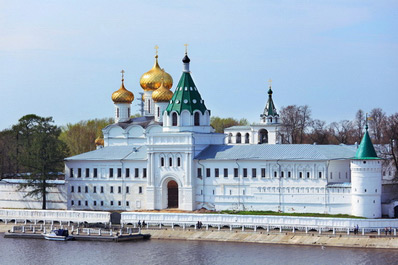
<point>311,239</point>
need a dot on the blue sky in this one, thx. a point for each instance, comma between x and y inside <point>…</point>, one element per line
<point>63,58</point>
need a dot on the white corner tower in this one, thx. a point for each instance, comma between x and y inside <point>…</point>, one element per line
<point>366,180</point>
<point>122,99</point>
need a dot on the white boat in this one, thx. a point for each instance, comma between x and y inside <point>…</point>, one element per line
<point>58,235</point>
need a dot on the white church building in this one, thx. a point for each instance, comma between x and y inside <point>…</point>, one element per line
<point>172,158</point>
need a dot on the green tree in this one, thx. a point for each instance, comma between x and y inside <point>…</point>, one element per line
<point>80,137</point>
<point>219,124</point>
<point>40,153</point>
<point>8,151</point>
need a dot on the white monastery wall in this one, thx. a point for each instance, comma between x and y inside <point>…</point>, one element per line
<point>12,198</point>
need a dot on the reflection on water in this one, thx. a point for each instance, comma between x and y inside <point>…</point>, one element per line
<point>31,251</point>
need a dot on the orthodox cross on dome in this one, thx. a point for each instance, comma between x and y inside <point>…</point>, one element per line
<point>156,48</point>
<point>122,74</point>
<point>186,48</point>
<point>270,82</point>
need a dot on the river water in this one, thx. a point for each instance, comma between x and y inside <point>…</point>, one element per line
<point>34,251</point>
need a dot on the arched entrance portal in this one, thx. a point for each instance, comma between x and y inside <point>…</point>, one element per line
<point>172,194</point>
<point>263,136</point>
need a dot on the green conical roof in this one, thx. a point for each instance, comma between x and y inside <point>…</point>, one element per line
<point>186,96</point>
<point>270,109</point>
<point>366,149</point>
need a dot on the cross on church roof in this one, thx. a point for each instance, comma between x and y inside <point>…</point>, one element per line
<point>186,48</point>
<point>156,48</point>
<point>270,82</point>
<point>122,74</point>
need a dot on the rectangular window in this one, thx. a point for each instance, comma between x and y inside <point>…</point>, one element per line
<point>225,172</point>
<point>95,203</point>
<point>127,172</point>
<point>86,189</point>
<point>331,175</point>
<point>95,173</point>
<point>236,172</point>
<point>144,173</point>
<point>136,172</point>
<point>254,173</point>
<point>111,189</point>
<point>263,172</point>
<point>71,172</point>
<point>79,172</point>
<point>102,189</point>
<point>139,189</point>
<point>87,172</point>
<point>72,202</point>
<point>102,203</point>
<point>301,175</point>
<point>245,172</point>
<point>79,189</point>
<point>127,203</point>
<point>119,203</point>
<point>275,174</point>
<point>79,203</point>
<point>111,203</point>
<point>289,174</point>
<point>127,190</point>
<point>308,175</point>
<point>95,189</point>
<point>111,172</point>
<point>199,172</point>
<point>119,189</point>
<point>320,175</point>
<point>208,172</point>
<point>86,203</point>
<point>216,172</point>
<point>282,174</point>
<point>72,189</point>
<point>119,172</point>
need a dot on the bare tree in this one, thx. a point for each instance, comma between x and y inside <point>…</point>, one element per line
<point>342,131</point>
<point>377,121</point>
<point>319,132</point>
<point>359,124</point>
<point>296,120</point>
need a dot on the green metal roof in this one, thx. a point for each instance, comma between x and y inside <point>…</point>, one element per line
<point>186,96</point>
<point>366,149</point>
<point>270,109</point>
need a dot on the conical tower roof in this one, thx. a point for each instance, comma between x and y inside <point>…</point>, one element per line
<point>186,95</point>
<point>366,149</point>
<point>270,109</point>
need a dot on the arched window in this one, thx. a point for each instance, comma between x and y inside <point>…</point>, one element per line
<point>178,161</point>
<point>230,138</point>
<point>170,162</point>
<point>174,119</point>
<point>149,105</point>
<point>117,112</point>
<point>247,138</point>
<point>263,136</point>
<point>128,112</point>
<point>238,138</point>
<point>162,161</point>
<point>196,118</point>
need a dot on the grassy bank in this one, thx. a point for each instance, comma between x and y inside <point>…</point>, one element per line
<point>287,214</point>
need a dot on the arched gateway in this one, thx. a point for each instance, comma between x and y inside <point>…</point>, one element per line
<point>172,194</point>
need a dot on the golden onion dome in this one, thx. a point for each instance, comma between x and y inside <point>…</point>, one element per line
<point>122,95</point>
<point>162,94</point>
<point>152,79</point>
<point>99,141</point>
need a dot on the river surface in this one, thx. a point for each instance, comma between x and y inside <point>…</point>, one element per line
<point>34,251</point>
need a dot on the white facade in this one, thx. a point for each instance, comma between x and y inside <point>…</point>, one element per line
<point>181,163</point>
